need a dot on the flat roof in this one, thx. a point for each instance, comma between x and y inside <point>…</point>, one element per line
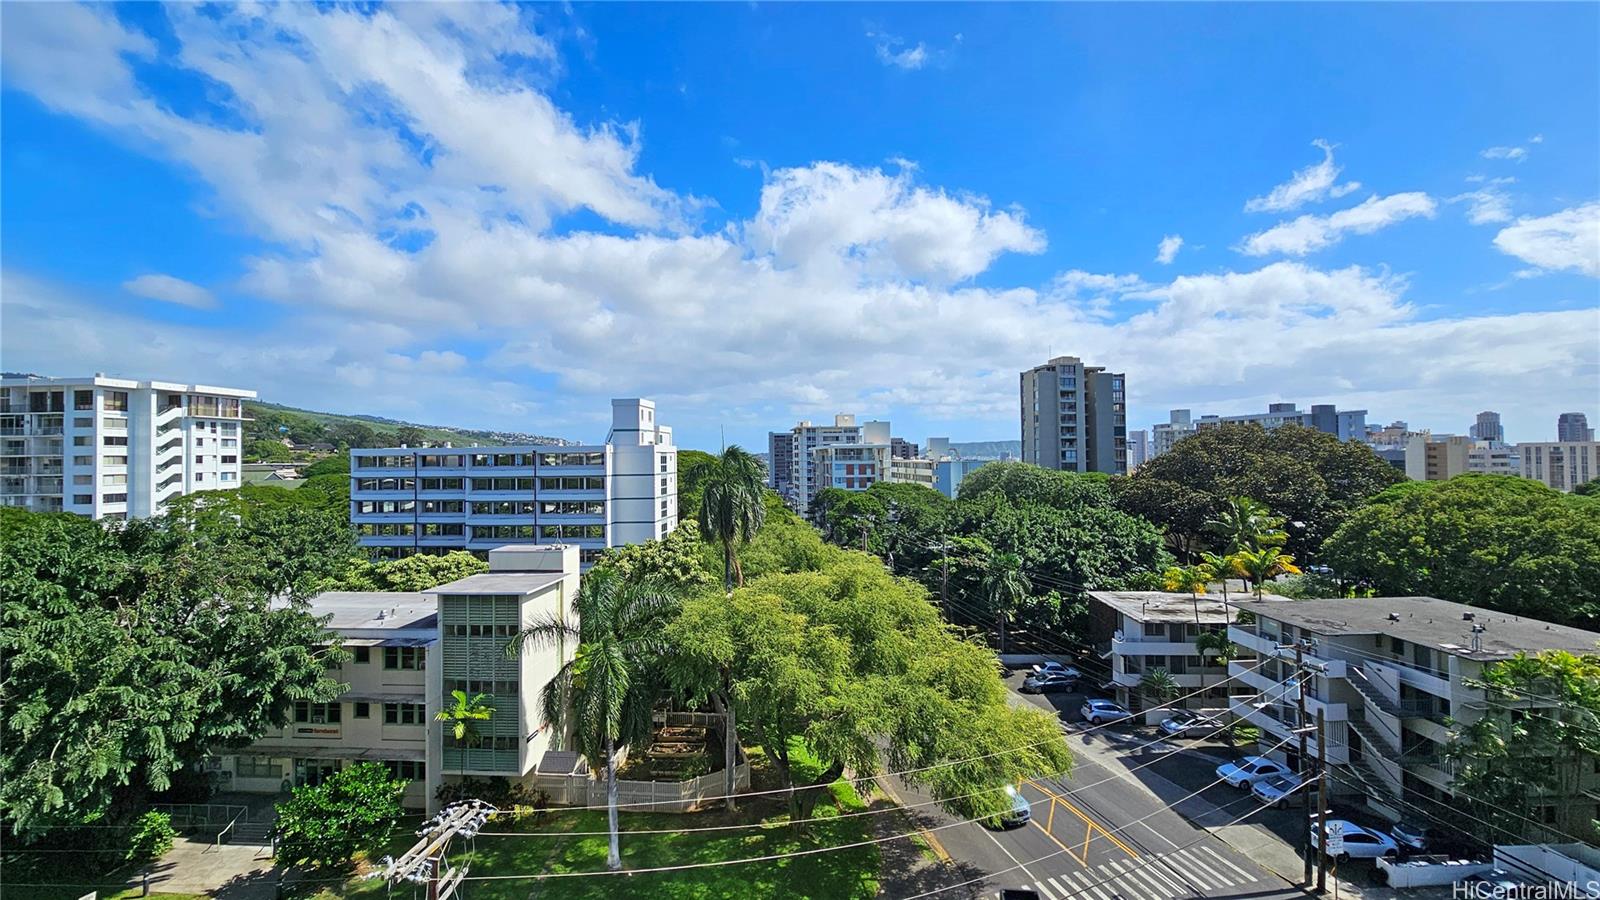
<point>500,583</point>
<point>113,381</point>
<point>1431,622</point>
<point>376,609</point>
<point>1168,606</point>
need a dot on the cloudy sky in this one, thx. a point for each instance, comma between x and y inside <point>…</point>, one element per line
<point>501,217</point>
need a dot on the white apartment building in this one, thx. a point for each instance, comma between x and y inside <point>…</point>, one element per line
<point>1493,458</point>
<point>851,467</point>
<point>1394,677</point>
<point>1179,425</point>
<point>408,652</point>
<point>793,473</point>
<point>1074,417</point>
<point>1562,465</point>
<point>114,447</point>
<point>406,500</point>
<point>1147,630</point>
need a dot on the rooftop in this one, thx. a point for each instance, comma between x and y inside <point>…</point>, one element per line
<point>1431,622</point>
<point>389,610</point>
<point>1166,606</point>
<point>500,583</point>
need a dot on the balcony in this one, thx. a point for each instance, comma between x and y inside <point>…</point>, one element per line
<point>1286,692</point>
<point>1129,647</point>
<point>1277,724</point>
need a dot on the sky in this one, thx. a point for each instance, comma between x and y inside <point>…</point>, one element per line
<point>501,217</point>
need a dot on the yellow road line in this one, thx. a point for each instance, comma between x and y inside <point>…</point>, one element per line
<point>1051,824</point>
<point>1093,826</point>
<point>1035,823</point>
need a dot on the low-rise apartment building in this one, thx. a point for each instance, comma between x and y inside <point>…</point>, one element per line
<point>1147,630</point>
<point>408,651</point>
<point>115,448</point>
<point>406,500</point>
<point>1395,678</point>
<point>1562,465</point>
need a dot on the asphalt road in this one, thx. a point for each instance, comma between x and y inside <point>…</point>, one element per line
<point>1093,836</point>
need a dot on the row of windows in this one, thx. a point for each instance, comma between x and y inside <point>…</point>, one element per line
<point>425,507</point>
<point>582,483</point>
<point>482,686</point>
<point>454,460</point>
<point>407,529</point>
<point>480,630</point>
<point>404,714</point>
<point>317,713</point>
<point>493,742</point>
<point>407,769</point>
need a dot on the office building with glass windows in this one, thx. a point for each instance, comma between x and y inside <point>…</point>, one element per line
<point>406,500</point>
<point>115,448</point>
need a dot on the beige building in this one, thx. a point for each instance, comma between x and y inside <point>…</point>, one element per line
<point>1562,465</point>
<point>1436,457</point>
<point>1394,677</point>
<point>408,652</point>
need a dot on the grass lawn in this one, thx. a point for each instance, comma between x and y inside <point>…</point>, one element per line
<point>556,844</point>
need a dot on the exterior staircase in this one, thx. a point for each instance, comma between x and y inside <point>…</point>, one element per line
<point>1370,693</point>
<point>259,832</point>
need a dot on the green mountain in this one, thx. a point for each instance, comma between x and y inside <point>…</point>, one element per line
<point>271,423</point>
<point>987,449</point>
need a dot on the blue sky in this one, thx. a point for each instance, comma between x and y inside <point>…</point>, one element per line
<point>501,217</point>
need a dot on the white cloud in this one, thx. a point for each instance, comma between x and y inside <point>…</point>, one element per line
<point>1308,185</point>
<point>1514,153</point>
<point>1565,241</point>
<point>1488,204</point>
<point>908,58</point>
<point>1310,233</point>
<point>168,289</point>
<point>1168,249</point>
<point>897,52</point>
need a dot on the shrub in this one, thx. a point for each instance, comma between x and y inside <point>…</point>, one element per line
<point>153,835</point>
<point>327,824</point>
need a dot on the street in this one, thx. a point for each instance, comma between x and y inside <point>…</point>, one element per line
<point>1096,836</point>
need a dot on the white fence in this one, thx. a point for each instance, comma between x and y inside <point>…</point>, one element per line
<point>1429,871</point>
<point>644,796</point>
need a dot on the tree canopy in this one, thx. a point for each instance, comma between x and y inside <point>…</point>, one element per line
<point>357,809</point>
<point>1312,479</point>
<point>1497,541</point>
<point>130,651</point>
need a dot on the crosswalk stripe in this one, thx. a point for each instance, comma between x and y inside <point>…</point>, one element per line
<point>1142,872</point>
<point>1121,879</point>
<point>1162,872</point>
<point>1045,890</point>
<point>1132,887</point>
<point>1089,887</point>
<point>1221,859</point>
<point>1199,871</point>
<point>1065,891</point>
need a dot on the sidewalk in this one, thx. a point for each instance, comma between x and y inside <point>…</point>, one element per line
<point>199,866</point>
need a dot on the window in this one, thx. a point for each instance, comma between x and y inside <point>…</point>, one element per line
<point>230,443</point>
<point>409,769</point>
<point>404,657</point>
<point>114,460</point>
<point>199,460</point>
<point>226,476</point>
<point>118,423</point>
<point>117,401</point>
<point>363,710</point>
<point>404,714</point>
<point>256,767</point>
<point>113,498</point>
<point>83,460</point>
<point>113,480</point>
<point>363,654</point>
<point>83,422</point>
<point>83,499</point>
<point>230,459</point>
<point>83,399</point>
<point>82,440</point>
<point>83,479</point>
<point>316,713</point>
<point>110,441</point>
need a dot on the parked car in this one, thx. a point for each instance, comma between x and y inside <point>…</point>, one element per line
<point>1359,843</point>
<point>1096,712</point>
<point>1273,790</point>
<point>1048,682</point>
<point>1187,724</point>
<point>1055,668</point>
<point>1411,836</point>
<point>1019,814</point>
<point>1324,571</point>
<point>1249,770</point>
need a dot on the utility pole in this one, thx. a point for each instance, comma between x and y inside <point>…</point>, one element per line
<point>1322,798</point>
<point>1300,728</point>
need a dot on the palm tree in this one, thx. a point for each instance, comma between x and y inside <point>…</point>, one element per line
<point>1006,586</point>
<point>733,506</point>
<point>1158,685</point>
<point>1217,644</point>
<point>464,715</point>
<point>1194,579</point>
<point>1266,563</point>
<point>1246,524</point>
<point>604,695</point>
<point>1224,566</point>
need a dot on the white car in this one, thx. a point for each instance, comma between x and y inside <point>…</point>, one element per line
<point>1189,723</point>
<point>1359,843</point>
<point>1096,712</point>
<point>1055,668</point>
<point>1275,789</point>
<point>1249,770</point>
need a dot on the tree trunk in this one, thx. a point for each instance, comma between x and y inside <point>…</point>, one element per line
<point>613,855</point>
<point>1001,619</point>
<point>806,798</point>
<point>730,743</point>
<point>727,565</point>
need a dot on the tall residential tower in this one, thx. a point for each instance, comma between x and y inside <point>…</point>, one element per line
<point>1074,417</point>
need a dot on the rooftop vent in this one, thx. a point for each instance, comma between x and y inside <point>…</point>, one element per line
<point>1467,617</point>
<point>1394,617</point>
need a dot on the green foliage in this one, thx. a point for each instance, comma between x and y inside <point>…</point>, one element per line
<point>1022,483</point>
<point>463,715</point>
<point>1501,542</point>
<point>1590,488</point>
<point>1157,686</point>
<point>267,450</point>
<point>674,559</point>
<point>1301,474</point>
<point>1307,586</point>
<point>853,666</point>
<point>732,505</point>
<point>1511,760</point>
<point>422,571</point>
<point>337,464</point>
<point>354,811</point>
<point>1187,579</point>
<point>694,466</point>
<point>129,652</point>
<point>153,835</point>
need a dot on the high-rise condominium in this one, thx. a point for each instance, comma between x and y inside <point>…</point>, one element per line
<point>1488,428</point>
<point>114,448</point>
<point>1074,417</point>
<point>406,500</point>
<point>1573,426</point>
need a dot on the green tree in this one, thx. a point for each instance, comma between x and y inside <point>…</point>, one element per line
<point>1224,567</point>
<point>1312,479</point>
<point>1216,644</point>
<point>267,450</point>
<point>1535,742</point>
<point>674,559</point>
<point>732,506</point>
<point>604,694</point>
<point>423,571</point>
<point>130,652</point>
<point>411,436</point>
<point>1157,686</point>
<point>327,824</point>
<point>1590,488</point>
<point>1005,586</point>
<point>461,719</point>
<point>1265,564</point>
<point>1191,579</point>
<point>337,464</point>
<point>1244,524</point>
<point>1505,543</point>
